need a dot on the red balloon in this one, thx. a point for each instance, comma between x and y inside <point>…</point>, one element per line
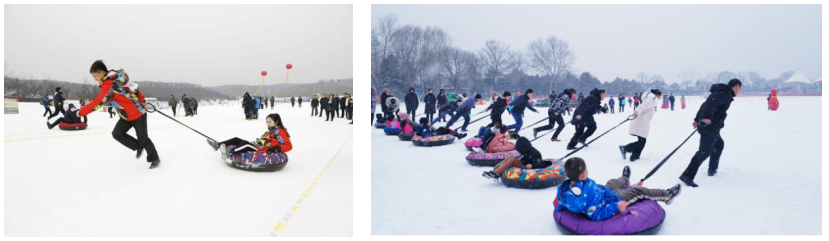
<point>289,66</point>
<point>264,73</point>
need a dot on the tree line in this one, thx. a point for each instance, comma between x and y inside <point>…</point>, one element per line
<point>328,86</point>
<point>404,56</point>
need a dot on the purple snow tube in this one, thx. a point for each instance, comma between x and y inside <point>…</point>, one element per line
<point>647,218</point>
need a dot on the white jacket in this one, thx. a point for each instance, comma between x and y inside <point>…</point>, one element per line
<point>642,124</point>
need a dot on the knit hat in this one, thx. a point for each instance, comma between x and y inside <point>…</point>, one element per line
<point>477,96</point>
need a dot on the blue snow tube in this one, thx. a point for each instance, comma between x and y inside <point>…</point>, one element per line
<point>392,131</point>
<point>645,217</point>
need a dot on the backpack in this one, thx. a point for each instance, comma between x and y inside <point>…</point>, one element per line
<point>121,85</point>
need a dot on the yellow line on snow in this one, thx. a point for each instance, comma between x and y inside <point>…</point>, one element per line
<point>281,225</point>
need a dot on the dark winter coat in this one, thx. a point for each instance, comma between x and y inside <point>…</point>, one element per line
<point>293,100</point>
<point>299,100</point>
<point>324,103</point>
<point>173,102</point>
<point>611,101</point>
<point>672,99</point>
<point>45,101</point>
<point>560,104</point>
<point>411,101</point>
<point>442,99</point>
<point>335,103</point>
<point>448,107</point>
<point>587,108</point>
<point>383,106</point>
<point>430,101</point>
<point>71,117</point>
<point>316,102</point>
<point>596,201</point>
<point>58,100</point>
<point>581,98</point>
<point>520,103</point>
<point>530,154</point>
<point>714,108</point>
<point>343,102</point>
<point>498,107</point>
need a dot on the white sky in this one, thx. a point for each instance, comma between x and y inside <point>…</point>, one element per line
<point>203,44</point>
<point>622,40</point>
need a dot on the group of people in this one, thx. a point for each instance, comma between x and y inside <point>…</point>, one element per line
<point>190,105</point>
<point>334,106</point>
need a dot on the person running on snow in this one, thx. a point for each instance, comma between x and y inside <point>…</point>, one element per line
<point>58,101</point>
<point>640,126</point>
<point>517,109</point>
<point>69,117</point>
<point>530,159</point>
<point>498,107</point>
<point>411,102</point>
<point>45,102</point>
<point>711,118</point>
<point>430,102</point>
<point>557,108</point>
<point>464,110</point>
<point>447,109</point>
<point>131,111</point>
<point>275,140</point>
<point>584,118</point>
<point>583,195</point>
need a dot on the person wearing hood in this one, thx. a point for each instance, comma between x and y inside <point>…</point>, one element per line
<point>442,100</point>
<point>394,106</point>
<point>557,108</point>
<point>530,159</point>
<point>584,118</point>
<point>640,126</point>
<point>373,103</point>
<point>45,102</point>
<point>384,105</point>
<point>708,122</point>
<point>430,102</point>
<point>411,102</point>
<point>69,117</point>
<point>498,107</point>
<point>463,111</point>
<point>518,105</point>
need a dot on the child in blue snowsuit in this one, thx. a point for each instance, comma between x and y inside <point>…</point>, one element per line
<point>603,202</point>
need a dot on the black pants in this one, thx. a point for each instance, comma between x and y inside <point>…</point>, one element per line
<point>611,110</point>
<point>464,114</point>
<point>143,141</point>
<point>174,110</point>
<point>349,113</point>
<point>58,110</point>
<point>271,105</point>
<point>372,118</point>
<point>636,147</point>
<point>709,145</point>
<point>196,110</point>
<point>334,113</point>
<point>621,108</point>
<point>581,135</point>
<point>635,104</point>
<point>554,119</point>
<point>300,104</point>
<point>412,113</point>
<point>672,106</point>
<point>496,118</point>
<point>48,110</point>
<point>314,110</point>
<point>329,115</point>
<point>430,116</point>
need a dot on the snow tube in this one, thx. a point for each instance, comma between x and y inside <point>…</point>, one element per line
<point>489,159</point>
<point>665,106</point>
<point>473,142</point>
<point>258,161</point>
<point>646,218</point>
<point>379,125</point>
<point>683,106</point>
<point>433,141</point>
<point>392,131</point>
<point>535,178</point>
<point>72,127</point>
<point>405,136</point>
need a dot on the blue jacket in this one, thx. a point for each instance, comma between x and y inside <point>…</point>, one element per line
<point>519,104</point>
<point>467,105</point>
<point>45,101</point>
<point>611,102</point>
<point>424,131</point>
<point>596,201</point>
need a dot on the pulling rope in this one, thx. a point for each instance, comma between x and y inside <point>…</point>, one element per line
<point>548,132</point>
<point>594,139</point>
<point>663,161</point>
<point>154,110</point>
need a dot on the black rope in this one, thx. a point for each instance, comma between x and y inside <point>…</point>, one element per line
<point>154,110</point>
<point>594,139</point>
<point>528,127</point>
<point>550,131</point>
<point>666,158</point>
<point>482,117</point>
<point>478,113</point>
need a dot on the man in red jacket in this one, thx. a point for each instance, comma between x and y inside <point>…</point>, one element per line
<point>130,109</point>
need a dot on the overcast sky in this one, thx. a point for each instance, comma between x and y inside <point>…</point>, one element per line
<point>622,40</point>
<point>203,44</point>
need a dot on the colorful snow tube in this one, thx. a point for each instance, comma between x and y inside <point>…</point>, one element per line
<point>489,159</point>
<point>473,142</point>
<point>535,178</point>
<point>665,106</point>
<point>392,131</point>
<point>405,136</point>
<point>379,125</point>
<point>433,141</point>
<point>260,161</point>
<point>72,127</point>
<point>644,217</point>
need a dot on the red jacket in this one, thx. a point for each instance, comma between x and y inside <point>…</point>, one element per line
<point>271,142</point>
<point>126,106</point>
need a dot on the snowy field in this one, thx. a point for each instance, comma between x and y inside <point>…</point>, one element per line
<point>768,182</point>
<point>84,183</point>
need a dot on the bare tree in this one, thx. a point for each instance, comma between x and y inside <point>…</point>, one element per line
<point>643,78</point>
<point>496,57</point>
<point>456,65</point>
<point>551,56</point>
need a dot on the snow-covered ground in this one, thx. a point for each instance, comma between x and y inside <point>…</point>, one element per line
<point>84,183</point>
<point>769,179</point>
